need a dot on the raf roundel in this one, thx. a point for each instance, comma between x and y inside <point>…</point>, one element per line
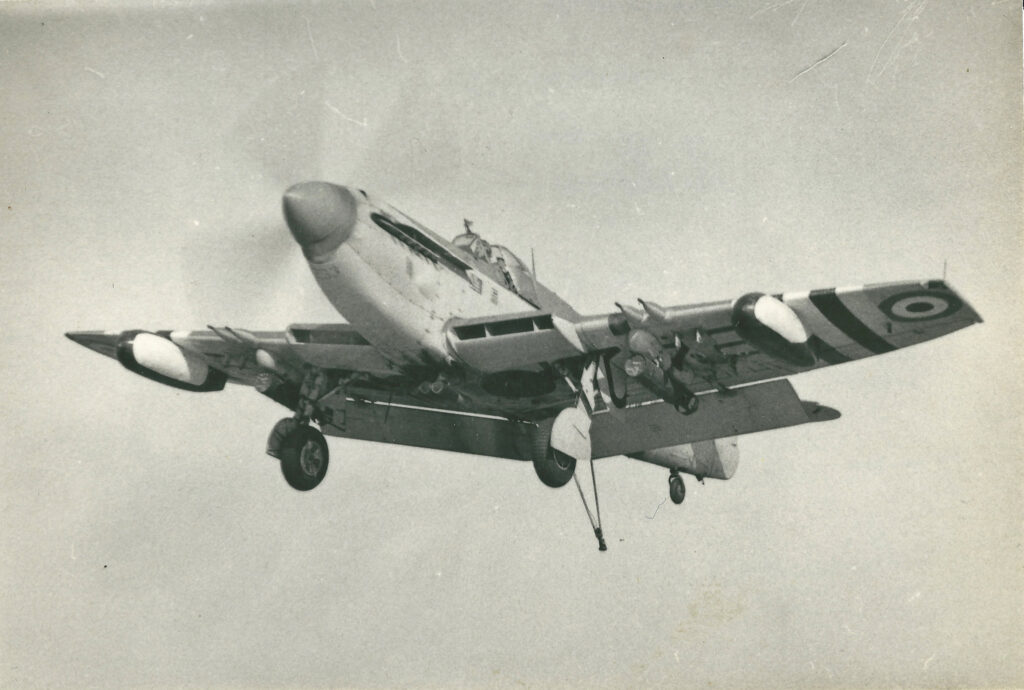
<point>920,306</point>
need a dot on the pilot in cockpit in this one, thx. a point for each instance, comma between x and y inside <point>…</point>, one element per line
<point>509,267</point>
<point>472,243</point>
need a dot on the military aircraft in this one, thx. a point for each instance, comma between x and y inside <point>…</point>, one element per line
<point>457,346</point>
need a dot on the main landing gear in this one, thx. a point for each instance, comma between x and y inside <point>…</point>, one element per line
<point>553,467</point>
<point>558,443</point>
<point>302,449</point>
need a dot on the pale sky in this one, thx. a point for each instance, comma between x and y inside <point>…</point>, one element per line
<point>678,152</point>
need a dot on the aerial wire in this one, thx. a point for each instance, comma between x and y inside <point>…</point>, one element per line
<point>595,524</point>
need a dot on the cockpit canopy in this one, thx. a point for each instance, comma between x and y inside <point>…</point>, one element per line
<point>479,248</point>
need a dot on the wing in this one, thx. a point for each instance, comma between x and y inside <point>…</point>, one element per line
<point>242,356</point>
<point>246,356</point>
<point>274,362</point>
<point>709,343</point>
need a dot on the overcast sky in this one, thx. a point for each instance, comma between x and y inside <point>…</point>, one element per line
<point>678,152</point>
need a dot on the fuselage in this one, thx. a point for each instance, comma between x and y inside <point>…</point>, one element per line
<point>401,285</point>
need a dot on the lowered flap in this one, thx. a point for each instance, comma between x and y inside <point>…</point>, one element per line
<point>657,425</point>
<point>423,428</point>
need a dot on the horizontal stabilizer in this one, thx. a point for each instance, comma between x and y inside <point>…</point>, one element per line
<point>820,413</point>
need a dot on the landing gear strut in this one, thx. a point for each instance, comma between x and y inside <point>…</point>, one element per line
<point>676,488</point>
<point>301,448</point>
<point>570,432</point>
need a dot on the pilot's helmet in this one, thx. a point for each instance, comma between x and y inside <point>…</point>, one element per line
<point>481,249</point>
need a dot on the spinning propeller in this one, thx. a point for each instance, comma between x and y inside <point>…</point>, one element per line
<point>251,260</point>
<point>294,129</point>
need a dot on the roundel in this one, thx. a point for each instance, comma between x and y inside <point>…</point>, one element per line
<point>920,306</point>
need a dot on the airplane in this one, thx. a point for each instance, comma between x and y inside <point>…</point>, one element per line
<point>457,346</point>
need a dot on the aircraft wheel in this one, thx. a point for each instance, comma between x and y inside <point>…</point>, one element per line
<point>689,406</point>
<point>676,489</point>
<point>554,467</point>
<point>304,458</point>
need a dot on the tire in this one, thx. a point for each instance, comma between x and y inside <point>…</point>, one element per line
<point>304,458</point>
<point>676,489</point>
<point>689,406</point>
<point>553,467</point>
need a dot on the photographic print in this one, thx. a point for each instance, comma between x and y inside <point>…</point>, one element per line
<point>383,344</point>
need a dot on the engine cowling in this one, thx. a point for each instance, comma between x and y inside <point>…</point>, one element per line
<point>771,325</point>
<point>715,459</point>
<point>159,359</point>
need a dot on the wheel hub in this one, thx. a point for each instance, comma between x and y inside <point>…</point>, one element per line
<point>311,458</point>
<point>562,460</point>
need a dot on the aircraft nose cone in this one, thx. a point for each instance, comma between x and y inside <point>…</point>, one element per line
<point>320,215</point>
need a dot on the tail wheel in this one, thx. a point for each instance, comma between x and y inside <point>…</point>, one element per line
<point>554,467</point>
<point>304,458</point>
<point>676,489</point>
